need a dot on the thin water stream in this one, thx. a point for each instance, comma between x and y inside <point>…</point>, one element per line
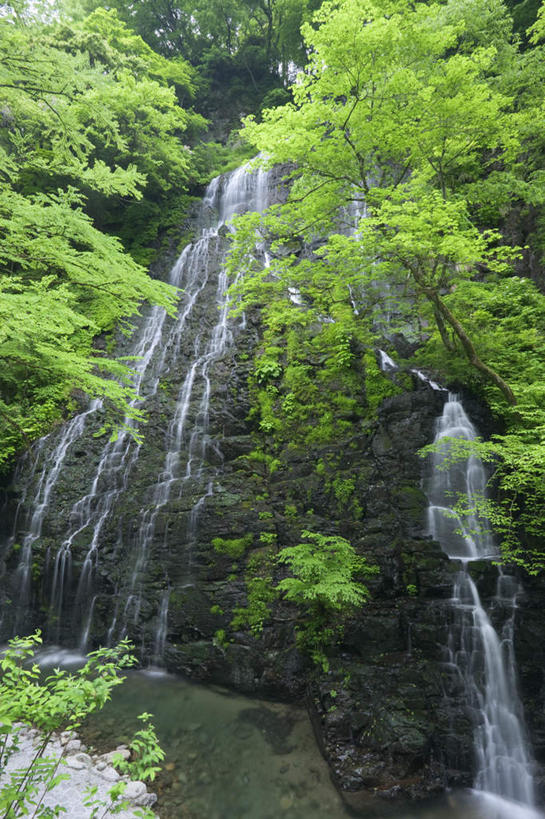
<point>481,657</point>
<point>185,350</point>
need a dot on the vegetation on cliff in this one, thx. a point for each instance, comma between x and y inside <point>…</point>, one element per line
<point>423,117</point>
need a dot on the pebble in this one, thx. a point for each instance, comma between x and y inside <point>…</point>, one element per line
<point>110,757</point>
<point>109,774</point>
<point>135,790</point>
<point>78,761</point>
<point>81,771</point>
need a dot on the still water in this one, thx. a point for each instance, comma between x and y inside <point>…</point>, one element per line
<point>227,756</point>
<point>232,757</point>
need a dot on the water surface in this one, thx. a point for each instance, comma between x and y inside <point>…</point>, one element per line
<point>233,757</point>
<point>227,756</point>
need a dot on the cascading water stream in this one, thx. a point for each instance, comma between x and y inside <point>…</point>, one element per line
<point>187,440</point>
<point>33,520</point>
<point>89,514</point>
<point>481,657</point>
<point>161,346</point>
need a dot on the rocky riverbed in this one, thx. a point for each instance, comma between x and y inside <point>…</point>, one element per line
<point>83,771</point>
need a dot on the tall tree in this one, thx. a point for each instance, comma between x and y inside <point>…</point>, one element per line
<point>89,120</point>
<point>425,118</point>
<point>389,111</point>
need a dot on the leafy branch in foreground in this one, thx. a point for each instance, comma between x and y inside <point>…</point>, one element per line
<point>145,752</point>
<point>56,703</point>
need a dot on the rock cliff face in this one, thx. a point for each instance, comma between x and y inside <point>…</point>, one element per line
<point>388,715</point>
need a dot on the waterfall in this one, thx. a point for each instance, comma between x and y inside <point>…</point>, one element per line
<point>161,631</point>
<point>187,441</point>
<point>183,350</point>
<point>482,658</point>
<point>34,515</point>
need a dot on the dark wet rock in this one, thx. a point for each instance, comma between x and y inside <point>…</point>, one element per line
<point>388,715</point>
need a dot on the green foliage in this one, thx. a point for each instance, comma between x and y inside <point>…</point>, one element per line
<point>398,107</point>
<point>145,753</point>
<point>506,316</point>
<point>220,638</point>
<point>116,804</point>
<point>62,700</point>
<point>290,511</point>
<point>377,386</point>
<point>343,489</point>
<point>323,567</point>
<point>213,158</point>
<point>234,547</point>
<point>266,463</point>
<point>268,538</point>
<point>306,384</point>
<point>260,595</point>
<point>428,115</point>
<point>250,42</point>
<point>267,370</point>
<point>323,588</point>
<point>59,703</point>
<point>91,146</point>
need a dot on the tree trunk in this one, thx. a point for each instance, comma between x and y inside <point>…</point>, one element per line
<point>444,315</point>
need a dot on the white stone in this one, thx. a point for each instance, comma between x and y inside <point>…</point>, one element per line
<point>109,774</point>
<point>70,793</point>
<point>75,763</point>
<point>73,745</point>
<point>123,752</point>
<point>110,757</point>
<point>134,790</point>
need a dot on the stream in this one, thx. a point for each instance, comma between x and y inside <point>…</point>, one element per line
<point>235,757</point>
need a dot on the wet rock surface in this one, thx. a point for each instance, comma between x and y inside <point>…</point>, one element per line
<point>388,716</point>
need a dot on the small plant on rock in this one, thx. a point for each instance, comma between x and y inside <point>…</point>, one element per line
<point>323,588</point>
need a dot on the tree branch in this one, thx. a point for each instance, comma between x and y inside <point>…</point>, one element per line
<point>442,311</point>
